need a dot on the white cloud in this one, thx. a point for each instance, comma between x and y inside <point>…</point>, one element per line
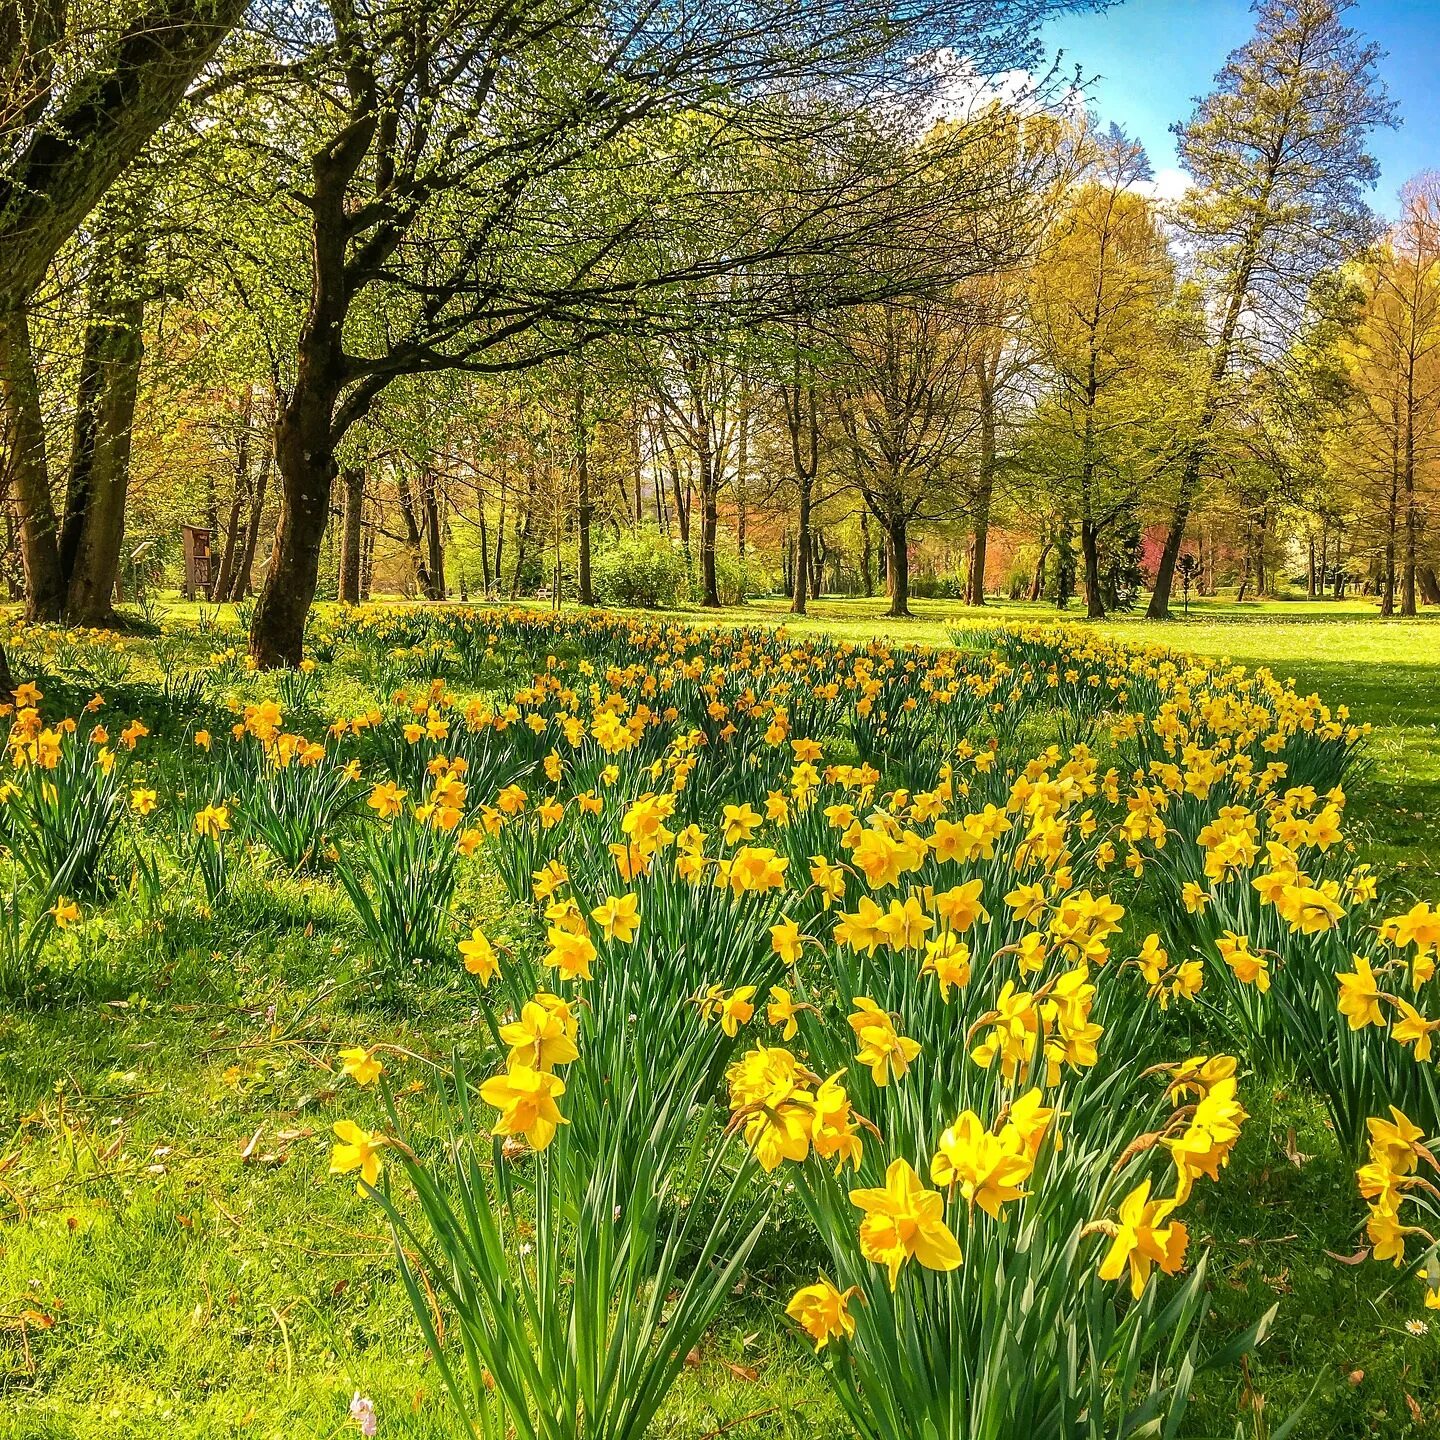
<point>1169,184</point>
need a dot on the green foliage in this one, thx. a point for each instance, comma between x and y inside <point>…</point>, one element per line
<point>400,876</point>
<point>737,579</point>
<point>61,811</point>
<point>641,568</point>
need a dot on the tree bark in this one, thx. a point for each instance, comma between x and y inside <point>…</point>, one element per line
<point>898,565</point>
<point>307,427</point>
<point>52,181</point>
<point>709,529</point>
<point>305,458</point>
<point>353,481</point>
<point>434,536</point>
<point>524,532</point>
<point>802,420</point>
<point>414,537</point>
<point>108,115</point>
<point>1090,550</point>
<point>1037,582</point>
<point>1412,509</point>
<point>801,577</point>
<point>1198,450</point>
<point>709,525</point>
<point>243,583</point>
<point>985,490</point>
<point>484,551</point>
<point>29,475</point>
<point>584,510</point>
<point>367,560</point>
<point>225,577</point>
<point>94,527</point>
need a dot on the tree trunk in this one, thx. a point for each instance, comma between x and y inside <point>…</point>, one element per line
<point>524,532</point>
<point>1392,520</point>
<point>51,180</point>
<point>1199,447</point>
<point>584,510</point>
<point>29,476</point>
<point>305,459</point>
<point>243,583</point>
<point>7,680</point>
<point>308,428</point>
<point>500,535</point>
<point>984,493</point>
<point>1429,585</point>
<point>1037,582</point>
<point>414,538</point>
<point>1412,510</point>
<point>1089,531</point>
<point>801,578</point>
<point>434,536</point>
<point>867,576</point>
<point>353,481</point>
<point>133,82</point>
<point>367,561</point>
<point>484,551</point>
<point>224,577</point>
<point>1159,607</point>
<point>709,528</point>
<point>100,475</point>
<point>1090,551</point>
<point>898,563</point>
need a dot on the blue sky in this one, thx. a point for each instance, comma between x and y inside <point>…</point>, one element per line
<point>1154,56</point>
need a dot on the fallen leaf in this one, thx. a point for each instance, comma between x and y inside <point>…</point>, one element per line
<point>747,1373</point>
<point>1358,1258</point>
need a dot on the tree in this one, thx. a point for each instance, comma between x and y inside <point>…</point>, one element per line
<point>1393,358</point>
<point>80,101</point>
<point>904,414</point>
<point>1099,301</point>
<point>1276,153</point>
<point>488,185</point>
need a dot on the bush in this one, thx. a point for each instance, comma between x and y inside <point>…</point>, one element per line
<point>641,568</point>
<point>946,585</point>
<point>736,579</point>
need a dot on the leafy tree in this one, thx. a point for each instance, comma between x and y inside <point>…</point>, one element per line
<point>81,94</point>
<point>1393,360</point>
<point>1101,307</point>
<point>1276,154</point>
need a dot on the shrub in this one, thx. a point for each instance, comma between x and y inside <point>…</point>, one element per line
<point>737,579</point>
<point>641,568</point>
<point>946,585</point>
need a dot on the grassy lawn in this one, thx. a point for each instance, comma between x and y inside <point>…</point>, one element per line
<point>175,1261</point>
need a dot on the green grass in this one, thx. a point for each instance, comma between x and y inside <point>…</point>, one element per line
<point>175,1262</point>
